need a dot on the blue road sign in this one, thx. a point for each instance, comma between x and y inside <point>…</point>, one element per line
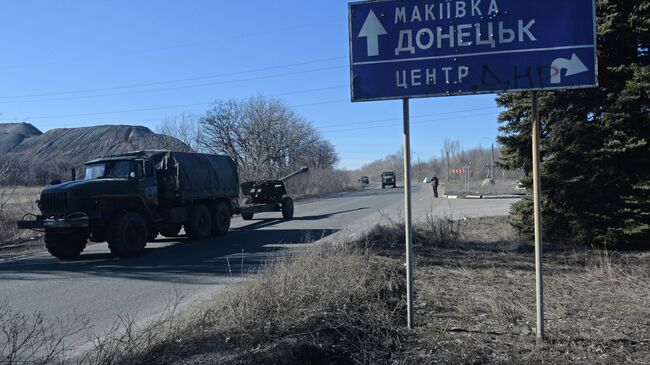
<point>420,48</point>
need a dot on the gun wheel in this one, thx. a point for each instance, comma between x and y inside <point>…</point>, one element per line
<point>287,208</point>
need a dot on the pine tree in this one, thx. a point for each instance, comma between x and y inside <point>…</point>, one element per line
<point>595,142</point>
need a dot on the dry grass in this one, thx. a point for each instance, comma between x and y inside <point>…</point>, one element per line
<point>433,231</point>
<point>330,305</point>
<point>474,303</point>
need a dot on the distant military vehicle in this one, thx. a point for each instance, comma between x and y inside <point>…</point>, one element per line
<point>268,196</point>
<point>128,199</point>
<point>364,180</point>
<point>388,179</point>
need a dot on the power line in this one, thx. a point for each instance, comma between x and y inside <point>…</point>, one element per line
<point>400,118</point>
<point>177,87</point>
<point>397,124</point>
<point>163,108</point>
<point>335,130</point>
<point>203,77</point>
<point>296,92</point>
<point>339,130</point>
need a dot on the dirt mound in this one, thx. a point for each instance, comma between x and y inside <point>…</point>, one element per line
<point>78,145</point>
<point>13,134</point>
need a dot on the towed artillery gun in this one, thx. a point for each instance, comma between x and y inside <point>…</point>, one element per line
<point>268,196</point>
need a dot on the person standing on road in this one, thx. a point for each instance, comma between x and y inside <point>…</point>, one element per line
<point>434,184</point>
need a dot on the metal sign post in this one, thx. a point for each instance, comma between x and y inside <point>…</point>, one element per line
<point>408,214</point>
<point>537,195</point>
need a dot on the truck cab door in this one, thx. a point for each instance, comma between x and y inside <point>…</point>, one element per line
<point>146,182</point>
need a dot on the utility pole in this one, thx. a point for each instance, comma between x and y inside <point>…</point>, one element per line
<point>492,164</point>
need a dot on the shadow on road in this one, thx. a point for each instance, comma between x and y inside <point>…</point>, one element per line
<point>241,251</point>
<point>267,222</point>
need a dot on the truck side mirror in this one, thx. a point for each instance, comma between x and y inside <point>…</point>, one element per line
<point>132,175</point>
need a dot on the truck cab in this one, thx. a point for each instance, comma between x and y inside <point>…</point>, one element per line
<point>129,199</point>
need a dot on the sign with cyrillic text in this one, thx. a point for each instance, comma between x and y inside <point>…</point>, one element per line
<point>420,48</point>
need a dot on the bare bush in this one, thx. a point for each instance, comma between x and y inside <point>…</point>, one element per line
<point>318,182</point>
<point>36,340</point>
<point>435,230</point>
<point>438,230</point>
<point>15,202</point>
<point>5,190</point>
<point>128,342</point>
<point>8,230</point>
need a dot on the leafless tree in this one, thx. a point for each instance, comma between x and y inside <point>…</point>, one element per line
<point>185,127</point>
<point>450,150</point>
<point>453,157</point>
<point>264,137</point>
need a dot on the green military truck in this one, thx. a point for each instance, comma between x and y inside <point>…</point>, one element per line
<point>129,199</point>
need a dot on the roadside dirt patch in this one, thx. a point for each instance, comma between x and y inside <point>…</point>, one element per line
<point>475,302</point>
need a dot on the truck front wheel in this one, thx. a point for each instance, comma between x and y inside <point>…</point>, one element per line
<point>127,235</point>
<point>220,219</point>
<point>65,245</point>
<point>200,224</point>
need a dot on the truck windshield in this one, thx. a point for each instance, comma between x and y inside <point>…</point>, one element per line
<point>108,169</point>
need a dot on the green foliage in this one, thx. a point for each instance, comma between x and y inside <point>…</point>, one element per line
<point>595,142</point>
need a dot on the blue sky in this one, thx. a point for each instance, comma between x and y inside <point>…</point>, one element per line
<point>82,63</point>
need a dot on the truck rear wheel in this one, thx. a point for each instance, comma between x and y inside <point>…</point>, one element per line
<point>247,216</point>
<point>65,245</point>
<point>171,230</point>
<point>287,208</point>
<point>127,235</point>
<point>200,224</point>
<point>220,218</point>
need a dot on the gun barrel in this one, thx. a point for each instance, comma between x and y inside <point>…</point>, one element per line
<point>296,173</point>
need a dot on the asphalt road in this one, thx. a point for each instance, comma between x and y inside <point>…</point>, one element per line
<point>141,287</point>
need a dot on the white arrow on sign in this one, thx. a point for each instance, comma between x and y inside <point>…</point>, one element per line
<point>372,29</point>
<point>573,66</point>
